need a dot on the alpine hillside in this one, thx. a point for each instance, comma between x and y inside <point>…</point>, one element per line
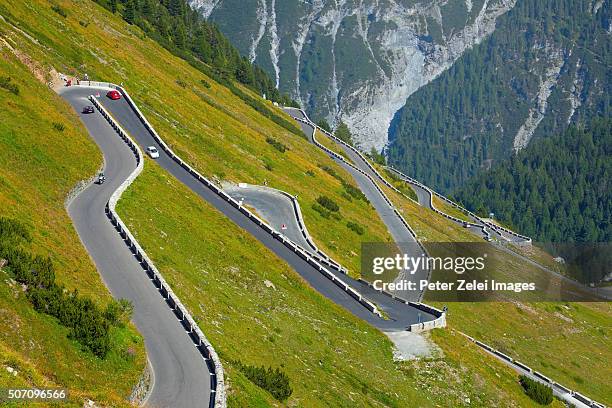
<point>545,67</point>
<point>355,61</point>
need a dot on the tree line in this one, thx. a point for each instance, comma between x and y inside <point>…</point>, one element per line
<point>467,118</point>
<point>186,33</point>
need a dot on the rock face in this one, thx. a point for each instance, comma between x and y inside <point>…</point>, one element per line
<point>354,60</point>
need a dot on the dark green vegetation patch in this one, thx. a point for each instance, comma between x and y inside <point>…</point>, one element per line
<point>273,380</point>
<point>88,324</point>
<point>540,393</point>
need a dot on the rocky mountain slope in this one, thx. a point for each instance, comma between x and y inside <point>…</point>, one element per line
<point>546,66</point>
<point>354,60</point>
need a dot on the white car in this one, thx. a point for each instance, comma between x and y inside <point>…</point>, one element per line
<point>153,152</point>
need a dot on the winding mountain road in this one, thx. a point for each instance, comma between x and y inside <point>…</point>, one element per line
<point>274,207</point>
<point>399,315</point>
<point>181,376</point>
<point>400,233</point>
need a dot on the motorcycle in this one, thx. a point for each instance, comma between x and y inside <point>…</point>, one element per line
<point>101,179</point>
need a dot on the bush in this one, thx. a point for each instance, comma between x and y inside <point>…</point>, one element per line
<point>276,144</point>
<point>88,324</point>
<point>59,126</point>
<point>328,203</point>
<point>119,313</point>
<point>326,213</point>
<point>322,211</point>
<point>268,164</point>
<point>205,83</point>
<point>5,83</point>
<point>354,191</point>
<point>275,381</point>
<point>377,157</point>
<point>59,10</point>
<point>323,124</point>
<point>540,393</point>
<point>181,83</point>
<point>310,173</point>
<point>355,227</point>
<point>343,133</point>
<point>331,172</point>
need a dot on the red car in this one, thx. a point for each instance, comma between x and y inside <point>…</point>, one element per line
<point>113,94</point>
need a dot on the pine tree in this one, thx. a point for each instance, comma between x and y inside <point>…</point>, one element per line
<point>130,11</point>
<point>175,7</point>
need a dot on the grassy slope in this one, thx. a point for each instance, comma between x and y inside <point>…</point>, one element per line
<point>38,166</point>
<point>210,127</point>
<point>568,342</point>
<point>332,358</point>
<point>225,132</point>
<point>449,209</point>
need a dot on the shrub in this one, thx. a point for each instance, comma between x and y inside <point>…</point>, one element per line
<point>322,211</point>
<point>181,83</point>
<point>5,83</point>
<point>354,191</point>
<point>540,393</point>
<point>275,381</point>
<point>268,164</point>
<point>205,83</point>
<point>59,10</point>
<point>377,157</point>
<point>328,203</point>
<point>13,230</point>
<point>343,133</point>
<point>323,124</point>
<point>59,126</point>
<point>276,144</point>
<point>331,172</point>
<point>118,313</point>
<point>355,227</point>
<point>310,173</point>
<point>88,324</point>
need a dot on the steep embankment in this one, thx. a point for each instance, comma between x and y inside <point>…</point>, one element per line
<point>253,307</point>
<point>216,132</point>
<point>44,152</point>
<point>511,326</point>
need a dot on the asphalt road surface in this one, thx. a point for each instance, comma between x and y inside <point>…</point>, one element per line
<point>401,235</point>
<point>400,315</point>
<point>275,207</point>
<point>181,376</point>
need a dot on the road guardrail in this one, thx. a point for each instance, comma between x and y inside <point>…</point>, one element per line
<point>563,392</point>
<point>217,398</point>
<point>302,253</point>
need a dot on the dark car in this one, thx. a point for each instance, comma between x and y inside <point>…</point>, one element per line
<point>88,109</point>
<point>113,94</point>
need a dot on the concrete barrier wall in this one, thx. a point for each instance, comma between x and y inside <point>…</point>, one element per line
<point>218,398</point>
